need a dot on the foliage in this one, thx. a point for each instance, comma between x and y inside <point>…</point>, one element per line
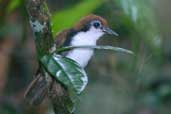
<point>67,71</point>
<point>13,5</point>
<point>142,15</point>
<point>111,48</point>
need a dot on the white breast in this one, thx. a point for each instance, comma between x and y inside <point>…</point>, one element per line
<point>82,56</point>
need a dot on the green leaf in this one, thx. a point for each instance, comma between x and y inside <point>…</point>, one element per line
<point>13,5</point>
<point>117,49</point>
<point>67,71</point>
<point>66,18</point>
<point>142,14</point>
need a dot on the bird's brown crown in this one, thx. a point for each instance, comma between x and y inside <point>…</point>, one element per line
<point>63,35</point>
<point>85,20</point>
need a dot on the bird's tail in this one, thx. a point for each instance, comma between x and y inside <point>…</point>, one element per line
<point>37,90</point>
<point>55,91</point>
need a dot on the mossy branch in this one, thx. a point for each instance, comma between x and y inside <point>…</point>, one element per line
<point>40,23</point>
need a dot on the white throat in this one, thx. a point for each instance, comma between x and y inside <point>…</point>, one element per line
<point>82,56</point>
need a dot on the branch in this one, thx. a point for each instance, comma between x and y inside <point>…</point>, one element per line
<point>40,23</point>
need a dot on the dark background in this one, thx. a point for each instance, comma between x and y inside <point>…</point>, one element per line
<point>118,83</point>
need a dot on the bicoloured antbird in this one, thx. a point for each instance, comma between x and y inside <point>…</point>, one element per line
<point>86,32</point>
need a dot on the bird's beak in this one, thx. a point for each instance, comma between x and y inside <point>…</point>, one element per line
<point>109,31</point>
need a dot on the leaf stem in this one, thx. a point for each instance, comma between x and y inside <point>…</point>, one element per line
<point>101,47</point>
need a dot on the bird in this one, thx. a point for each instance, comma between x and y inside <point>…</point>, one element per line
<point>87,32</point>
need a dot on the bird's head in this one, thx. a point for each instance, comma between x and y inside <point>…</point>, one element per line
<point>94,24</point>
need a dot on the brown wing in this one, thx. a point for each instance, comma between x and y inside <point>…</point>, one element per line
<point>61,37</point>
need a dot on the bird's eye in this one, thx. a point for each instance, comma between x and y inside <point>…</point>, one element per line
<point>97,24</point>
